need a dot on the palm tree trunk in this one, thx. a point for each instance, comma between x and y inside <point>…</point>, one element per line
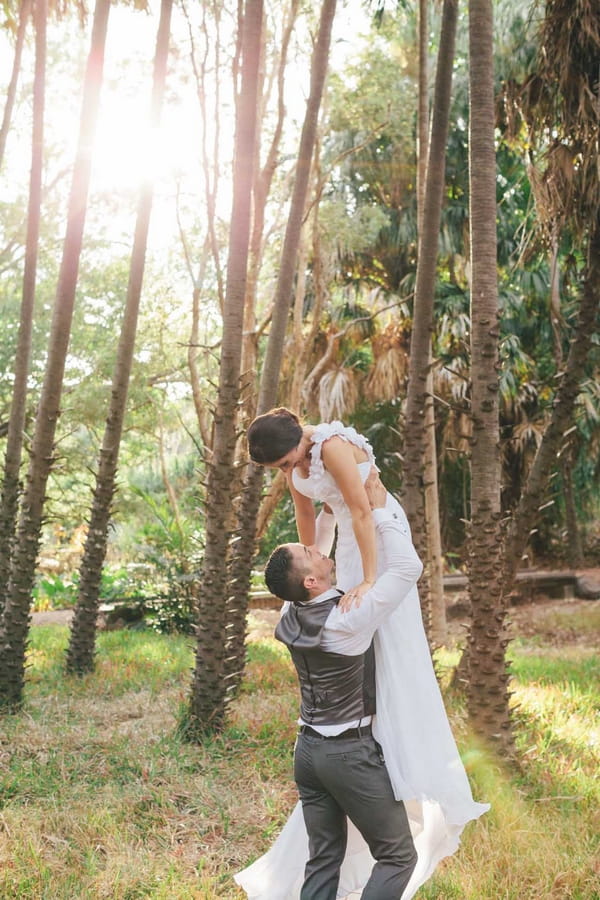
<point>245,547</point>
<point>14,78</point>
<point>574,545</point>
<point>434,559</point>
<point>419,433</point>
<point>208,694</point>
<point>13,636</point>
<point>422,109</point>
<point>261,189</point>
<point>14,443</point>
<point>287,268</point>
<point>80,653</point>
<point>488,693</point>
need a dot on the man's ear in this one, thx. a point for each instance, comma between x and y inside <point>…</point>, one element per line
<point>310,582</point>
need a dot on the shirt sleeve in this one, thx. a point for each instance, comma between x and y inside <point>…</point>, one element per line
<point>351,632</point>
<point>325,531</point>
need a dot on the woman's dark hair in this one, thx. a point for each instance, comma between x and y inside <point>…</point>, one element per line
<point>272,435</point>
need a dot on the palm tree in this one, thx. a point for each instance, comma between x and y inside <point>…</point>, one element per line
<point>13,634</point>
<point>80,653</point>
<point>206,706</point>
<point>487,688</point>
<point>419,436</point>
<point>14,443</point>
<point>244,549</point>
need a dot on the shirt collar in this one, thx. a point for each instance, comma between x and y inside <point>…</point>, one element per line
<point>326,595</point>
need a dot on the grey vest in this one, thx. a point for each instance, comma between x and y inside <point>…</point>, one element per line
<point>334,688</point>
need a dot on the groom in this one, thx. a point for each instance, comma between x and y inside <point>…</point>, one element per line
<point>338,766</point>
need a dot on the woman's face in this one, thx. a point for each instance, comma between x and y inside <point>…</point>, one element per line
<point>290,460</point>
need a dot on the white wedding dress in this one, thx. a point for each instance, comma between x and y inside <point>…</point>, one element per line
<point>411,725</point>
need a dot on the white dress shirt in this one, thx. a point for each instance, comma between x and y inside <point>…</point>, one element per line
<point>350,633</point>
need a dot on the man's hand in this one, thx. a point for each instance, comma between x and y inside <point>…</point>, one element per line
<point>376,492</point>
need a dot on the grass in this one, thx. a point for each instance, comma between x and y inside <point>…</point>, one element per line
<point>99,799</point>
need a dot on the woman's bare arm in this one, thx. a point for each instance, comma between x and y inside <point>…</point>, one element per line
<point>305,514</point>
<point>338,458</point>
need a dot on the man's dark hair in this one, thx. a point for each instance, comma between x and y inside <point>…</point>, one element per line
<point>283,579</point>
<point>272,435</point>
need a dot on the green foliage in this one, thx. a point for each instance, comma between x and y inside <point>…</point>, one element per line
<point>380,424</point>
<point>280,530</point>
<point>55,592</point>
<point>169,549</point>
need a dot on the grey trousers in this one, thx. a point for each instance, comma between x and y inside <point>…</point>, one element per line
<point>347,777</point>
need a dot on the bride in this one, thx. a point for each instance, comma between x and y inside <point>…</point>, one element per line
<point>329,463</point>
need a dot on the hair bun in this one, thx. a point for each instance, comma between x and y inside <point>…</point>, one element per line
<point>283,411</point>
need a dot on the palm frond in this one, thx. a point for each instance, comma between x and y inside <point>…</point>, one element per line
<point>338,394</point>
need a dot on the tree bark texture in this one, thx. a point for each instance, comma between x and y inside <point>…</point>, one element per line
<point>418,431</point>
<point>80,653</point>
<point>263,179</point>
<point>245,545</point>
<point>207,701</point>
<point>287,268</point>
<point>422,108</point>
<point>14,443</point>
<point>13,636</point>
<point>488,693</point>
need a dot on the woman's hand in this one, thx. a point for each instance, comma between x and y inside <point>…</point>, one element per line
<point>354,596</point>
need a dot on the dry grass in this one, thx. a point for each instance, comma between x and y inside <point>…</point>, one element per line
<point>101,800</point>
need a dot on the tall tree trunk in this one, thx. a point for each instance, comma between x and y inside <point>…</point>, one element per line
<point>488,693</point>
<point>14,78</point>
<point>14,443</point>
<point>422,109</point>
<point>574,545</point>
<point>438,631</point>
<point>287,268</point>
<point>200,404</point>
<point>13,635</point>
<point>262,188</point>
<point>434,559</point>
<point>245,547</point>
<point>80,653</point>
<point>419,437</point>
<point>208,694</point>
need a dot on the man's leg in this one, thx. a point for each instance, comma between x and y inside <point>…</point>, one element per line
<point>325,824</point>
<point>354,772</point>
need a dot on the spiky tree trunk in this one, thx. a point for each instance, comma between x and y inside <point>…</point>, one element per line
<point>419,434</point>
<point>245,548</point>
<point>80,653</point>
<point>13,635</point>
<point>574,545</point>
<point>24,10</point>
<point>14,443</point>
<point>434,581</point>
<point>207,701</point>
<point>488,693</point>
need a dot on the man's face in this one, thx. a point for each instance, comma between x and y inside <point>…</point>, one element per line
<point>311,563</point>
